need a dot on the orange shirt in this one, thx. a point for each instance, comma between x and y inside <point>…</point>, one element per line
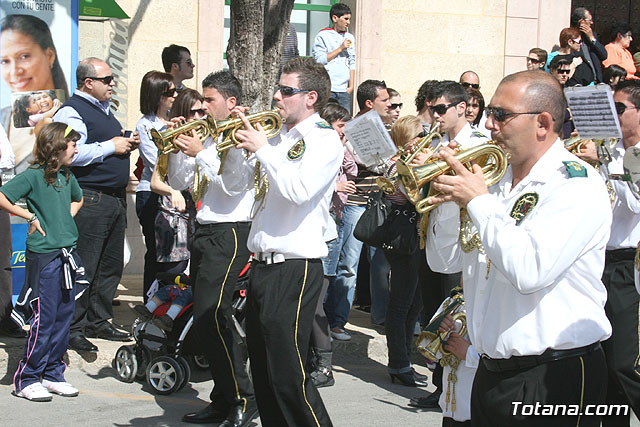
<point>618,55</point>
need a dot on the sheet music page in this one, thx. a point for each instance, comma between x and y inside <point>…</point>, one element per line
<point>369,140</point>
<point>593,111</point>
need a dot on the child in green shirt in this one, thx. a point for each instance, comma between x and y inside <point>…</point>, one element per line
<point>48,297</point>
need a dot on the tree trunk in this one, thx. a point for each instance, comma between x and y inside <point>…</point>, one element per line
<point>258,28</point>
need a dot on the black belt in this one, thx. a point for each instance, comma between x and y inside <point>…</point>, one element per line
<point>216,225</point>
<point>626,254</point>
<point>526,362</point>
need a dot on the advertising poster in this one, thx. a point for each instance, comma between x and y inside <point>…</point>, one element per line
<point>38,56</point>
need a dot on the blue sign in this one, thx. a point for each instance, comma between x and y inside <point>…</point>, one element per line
<point>19,247</point>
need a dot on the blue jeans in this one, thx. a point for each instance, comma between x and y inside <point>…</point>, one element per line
<point>183,297</point>
<point>343,285</point>
<point>378,284</point>
<point>343,98</point>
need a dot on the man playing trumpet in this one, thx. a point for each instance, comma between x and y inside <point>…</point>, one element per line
<point>533,294</point>
<point>219,252</point>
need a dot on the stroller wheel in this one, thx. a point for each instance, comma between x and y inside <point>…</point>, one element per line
<point>144,356</point>
<point>164,375</point>
<point>187,372</point>
<point>200,361</point>
<point>125,363</point>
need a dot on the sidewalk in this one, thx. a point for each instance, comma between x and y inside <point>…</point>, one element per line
<point>363,394</point>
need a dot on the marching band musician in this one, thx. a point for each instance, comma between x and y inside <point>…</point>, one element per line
<point>294,180</point>
<point>532,263</point>
<point>219,252</point>
<point>623,300</point>
<point>448,107</point>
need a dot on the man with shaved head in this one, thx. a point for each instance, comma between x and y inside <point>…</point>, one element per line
<point>469,79</point>
<point>531,271</point>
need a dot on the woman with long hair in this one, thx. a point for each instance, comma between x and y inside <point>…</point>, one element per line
<point>157,93</point>
<point>405,300</point>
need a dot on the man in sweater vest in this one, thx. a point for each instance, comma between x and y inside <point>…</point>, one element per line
<point>102,169</point>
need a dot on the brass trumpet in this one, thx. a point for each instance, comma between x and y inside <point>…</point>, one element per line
<point>575,144</point>
<point>431,341</point>
<point>270,120</point>
<point>387,185</point>
<point>490,157</point>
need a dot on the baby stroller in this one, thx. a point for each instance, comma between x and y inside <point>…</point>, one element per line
<point>159,357</point>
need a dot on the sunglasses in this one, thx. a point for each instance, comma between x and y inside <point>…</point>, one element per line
<point>534,60</point>
<point>394,106</point>
<point>473,85</point>
<point>442,108</point>
<point>559,71</point>
<point>170,92</point>
<point>499,115</point>
<point>579,41</point>
<point>200,111</point>
<point>106,79</point>
<point>622,107</point>
<point>288,90</point>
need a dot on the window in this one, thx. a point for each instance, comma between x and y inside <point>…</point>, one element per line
<point>309,17</point>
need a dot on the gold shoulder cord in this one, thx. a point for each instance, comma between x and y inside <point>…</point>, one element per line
<point>200,185</point>
<point>469,241</point>
<point>261,188</point>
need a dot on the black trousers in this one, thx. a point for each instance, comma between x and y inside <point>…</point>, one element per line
<point>218,255</point>
<point>147,209</point>
<point>573,381</point>
<point>622,349</point>
<point>281,305</point>
<point>101,223</point>
<point>6,290</point>
<point>405,303</point>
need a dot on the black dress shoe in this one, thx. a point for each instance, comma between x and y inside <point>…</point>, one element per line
<point>430,401</point>
<point>109,333</point>
<point>408,379</point>
<point>239,418</point>
<point>210,414</point>
<point>80,343</point>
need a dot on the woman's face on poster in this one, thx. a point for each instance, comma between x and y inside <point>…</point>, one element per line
<point>24,65</point>
<point>44,101</point>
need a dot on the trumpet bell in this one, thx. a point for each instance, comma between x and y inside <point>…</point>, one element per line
<point>416,179</point>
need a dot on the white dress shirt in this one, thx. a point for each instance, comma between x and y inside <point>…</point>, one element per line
<point>218,203</point>
<point>625,228</point>
<point>466,138</point>
<point>536,285</point>
<point>147,148</point>
<point>87,153</point>
<point>7,158</point>
<point>295,213</point>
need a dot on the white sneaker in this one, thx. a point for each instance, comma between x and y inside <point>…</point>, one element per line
<point>339,334</point>
<point>35,392</point>
<point>60,388</point>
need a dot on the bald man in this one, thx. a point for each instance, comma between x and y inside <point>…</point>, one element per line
<point>469,79</point>
<point>533,294</point>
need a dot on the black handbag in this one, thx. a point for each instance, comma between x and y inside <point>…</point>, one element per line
<point>369,228</point>
<point>388,226</point>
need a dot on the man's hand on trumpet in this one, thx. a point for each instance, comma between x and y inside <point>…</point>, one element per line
<point>251,138</point>
<point>189,144</point>
<point>462,187</point>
